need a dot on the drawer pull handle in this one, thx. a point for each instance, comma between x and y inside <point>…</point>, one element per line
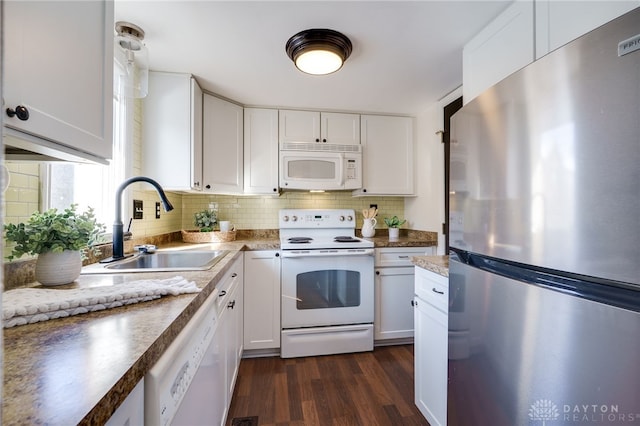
<point>403,257</point>
<point>222,293</point>
<point>436,291</point>
<point>234,275</point>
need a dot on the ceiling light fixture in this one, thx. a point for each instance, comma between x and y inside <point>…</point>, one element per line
<point>319,51</point>
<point>131,75</point>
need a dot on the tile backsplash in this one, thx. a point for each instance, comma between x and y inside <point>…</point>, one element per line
<point>262,212</point>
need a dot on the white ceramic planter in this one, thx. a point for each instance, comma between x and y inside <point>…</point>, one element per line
<point>58,268</point>
<point>394,233</point>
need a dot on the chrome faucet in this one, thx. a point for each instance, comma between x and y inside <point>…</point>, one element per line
<point>118,235</point>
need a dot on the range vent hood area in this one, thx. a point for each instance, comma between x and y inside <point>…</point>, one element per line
<point>23,147</point>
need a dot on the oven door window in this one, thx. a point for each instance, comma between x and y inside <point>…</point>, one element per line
<point>331,288</point>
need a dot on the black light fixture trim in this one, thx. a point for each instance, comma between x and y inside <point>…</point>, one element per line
<point>319,38</point>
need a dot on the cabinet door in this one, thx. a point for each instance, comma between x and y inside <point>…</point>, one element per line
<point>387,157</point>
<point>431,339</point>
<point>222,150</point>
<point>260,151</point>
<point>172,131</point>
<point>234,342</point>
<point>262,299</point>
<point>339,128</point>
<point>501,48</point>
<point>393,309</point>
<point>131,411</point>
<point>299,126</point>
<point>58,63</point>
<point>559,22</point>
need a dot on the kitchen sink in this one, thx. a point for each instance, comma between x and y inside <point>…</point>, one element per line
<point>162,261</point>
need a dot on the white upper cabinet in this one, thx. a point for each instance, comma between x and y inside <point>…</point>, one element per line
<point>260,151</point>
<point>387,156</point>
<point>58,65</point>
<point>338,128</point>
<point>526,31</point>
<point>319,127</point>
<point>501,48</point>
<point>222,151</point>
<point>172,131</point>
<point>559,22</point>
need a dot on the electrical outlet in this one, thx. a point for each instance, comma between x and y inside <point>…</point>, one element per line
<point>137,209</point>
<point>157,210</point>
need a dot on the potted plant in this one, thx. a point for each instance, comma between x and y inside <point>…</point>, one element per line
<point>394,224</point>
<point>206,221</point>
<point>59,239</point>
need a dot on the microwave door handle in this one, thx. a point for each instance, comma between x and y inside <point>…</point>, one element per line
<point>341,168</point>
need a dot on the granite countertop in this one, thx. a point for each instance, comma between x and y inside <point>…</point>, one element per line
<point>437,264</point>
<point>407,238</point>
<point>78,370</point>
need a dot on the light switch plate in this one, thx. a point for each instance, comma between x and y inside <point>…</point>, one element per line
<point>137,209</point>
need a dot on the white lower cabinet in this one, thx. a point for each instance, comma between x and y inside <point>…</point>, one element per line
<point>131,411</point>
<point>262,299</point>
<point>230,319</point>
<point>431,345</point>
<point>394,290</point>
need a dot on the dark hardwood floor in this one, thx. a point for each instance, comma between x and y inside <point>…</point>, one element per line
<point>369,388</point>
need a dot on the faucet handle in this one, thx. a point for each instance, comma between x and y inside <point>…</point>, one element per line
<point>145,248</point>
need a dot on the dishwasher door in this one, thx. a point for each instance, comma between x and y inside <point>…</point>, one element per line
<point>187,384</point>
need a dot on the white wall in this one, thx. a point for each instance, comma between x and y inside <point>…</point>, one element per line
<point>426,211</point>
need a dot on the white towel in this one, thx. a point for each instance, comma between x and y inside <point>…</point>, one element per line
<point>31,305</point>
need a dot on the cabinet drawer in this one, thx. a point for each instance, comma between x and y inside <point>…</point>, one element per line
<point>432,288</point>
<point>399,256</point>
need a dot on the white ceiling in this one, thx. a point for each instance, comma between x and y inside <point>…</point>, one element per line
<point>406,54</point>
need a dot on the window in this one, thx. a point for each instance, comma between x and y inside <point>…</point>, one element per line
<point>90,185</point>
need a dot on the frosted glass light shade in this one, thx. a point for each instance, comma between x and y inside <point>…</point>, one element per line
<point>318,62</point>
<point>131,56</point>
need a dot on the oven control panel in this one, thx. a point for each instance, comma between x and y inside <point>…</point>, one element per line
<point>333,218</point>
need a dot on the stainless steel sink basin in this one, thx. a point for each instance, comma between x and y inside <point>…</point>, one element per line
<point>161,261</point>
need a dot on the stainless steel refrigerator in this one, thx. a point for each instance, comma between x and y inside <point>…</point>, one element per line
<point>544,312</point>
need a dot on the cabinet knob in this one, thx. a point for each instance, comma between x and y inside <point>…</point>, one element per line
<point>364,189</point>
<point>413,302</point>
<point>324,140</point>
<point>377,272</point>
<point>196,183</point>
<point>278,254</point>
<point>21,112</point>
<point>208,186</point>
<point>231,304</point>
<point>234,275</point>
<point>275,189</point>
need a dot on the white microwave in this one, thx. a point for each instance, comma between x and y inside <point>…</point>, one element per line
<point>320,167</point>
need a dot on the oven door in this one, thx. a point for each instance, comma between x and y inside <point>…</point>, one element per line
<point>321,288</point>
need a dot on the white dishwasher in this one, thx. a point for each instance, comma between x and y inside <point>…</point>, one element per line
<point>187,384</point>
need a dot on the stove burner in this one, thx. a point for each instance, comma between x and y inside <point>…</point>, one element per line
<point>299,240</point>
<point>346,239</point>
